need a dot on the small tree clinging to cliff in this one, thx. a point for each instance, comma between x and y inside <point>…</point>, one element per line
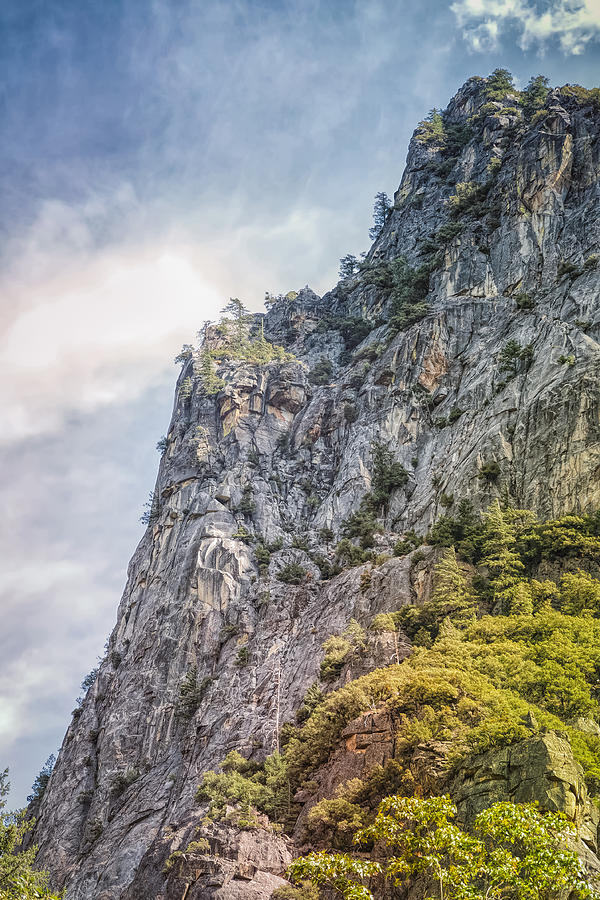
<point>381,209</point>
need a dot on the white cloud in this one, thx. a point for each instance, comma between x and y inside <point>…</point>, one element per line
<point>82,327</point>
<point>97,334</point>
<point>573,23</point>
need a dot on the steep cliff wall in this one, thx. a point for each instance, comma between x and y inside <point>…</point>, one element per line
<point>507,228</point>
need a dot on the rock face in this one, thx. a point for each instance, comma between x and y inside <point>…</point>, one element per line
<point>282,454</point>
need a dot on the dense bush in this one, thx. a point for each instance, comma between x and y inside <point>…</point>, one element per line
<point>511,851</point>
<point>292,573</point>
<point>321,373</point>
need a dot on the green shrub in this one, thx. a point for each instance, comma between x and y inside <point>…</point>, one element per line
<point>191,693</point>
<point>200,845</point>
<point>490,471</point>
<point>566,267</point>
<point>339,648</point>
<point>567,360</point>
<point>350,413</point>
<point>499,84</point>
<point>40,784</point>
<point>122,780</point>
<point>242,657</point>
<point>247,505</point>
<point>303,891</point>
<point>263,557</point>
<point>524,301</point>
<point>292,573</point>
<point>321,373</point>
<point>512,354</point>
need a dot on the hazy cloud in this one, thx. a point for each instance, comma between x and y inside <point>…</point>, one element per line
<point>573,23</point>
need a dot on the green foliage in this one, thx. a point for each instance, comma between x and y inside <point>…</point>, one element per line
<point>582,96</point>
<point>152,509</point>
<point>490,471</point>
<point>348,266</point>
<point>242,534</point>
<point>19,880</point>
<point>452,597</point>
<point>211,383</point>
<point>453,601</point>
<point>185,391</point>
<point>566,267</point>
<point>388,474</point>
<point>353,329</point>
<point>408,290</point>
<point>579,594</point>
<point>122,780</point>
<point>199,846</point>
<point>501,558</point>
<point>263,557</point>
<point>468,198</point>
<point>247,506</point>
<point>313,697</point>
<point>242,657</point>
<point>511,355</point>
<point>361,524</point>
<point>41,782</point>
<point>248,786</point>
<point>524,301</point>
<point>514,851</point>
<point>333,822</point>
<point>321,373</point>
<point>449,137</point>
<point>186,352</point>
<point>241,338</point>
<point>350,555</point>
<point>304,891</point>
<point>567,360</point>
<point>191,693</point>
<point>499,84</point>
<point>292,573</point>
<point>350,413</point>
<point>534,96</point>
<point>339,648</point>
<point>381,210</point>
<point>431,129</point>
<point>479,682</point>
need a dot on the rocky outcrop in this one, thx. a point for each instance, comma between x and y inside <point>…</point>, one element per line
<point>284,451</point>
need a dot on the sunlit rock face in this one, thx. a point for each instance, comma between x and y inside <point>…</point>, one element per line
<point>282,454</point>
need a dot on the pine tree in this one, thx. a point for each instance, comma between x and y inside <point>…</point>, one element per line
<point>348,266</point>
<point>519,599</point>
<point>535,94</point>
<point>451,595</point>
<point>500,555</point>
<point>381,209</point>
<point>499,84</point>
<point>211,383</point>
<point>41,782</point>
<point>241,322</point>
<point>431,129</point>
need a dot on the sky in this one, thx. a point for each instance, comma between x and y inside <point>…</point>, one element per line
<point>156,158</point>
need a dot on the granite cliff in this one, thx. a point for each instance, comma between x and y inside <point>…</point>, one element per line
<point>467,344</point>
